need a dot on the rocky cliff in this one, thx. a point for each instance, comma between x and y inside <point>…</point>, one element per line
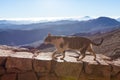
<point>24,66</point>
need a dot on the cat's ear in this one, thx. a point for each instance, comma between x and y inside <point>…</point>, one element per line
<point>49,34</point>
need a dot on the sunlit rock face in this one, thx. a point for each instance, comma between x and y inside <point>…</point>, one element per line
<point>23,66</point>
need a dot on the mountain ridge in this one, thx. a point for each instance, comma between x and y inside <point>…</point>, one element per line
<point>26,34</point>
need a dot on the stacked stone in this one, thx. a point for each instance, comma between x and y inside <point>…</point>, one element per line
<point>15,68</point>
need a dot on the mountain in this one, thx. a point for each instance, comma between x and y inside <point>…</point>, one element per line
<point>7,25</point>
<point>8,22</point>
<point>85,18</point>
<point>110,45</point>
<point>118,19</point>
<point>99,24</point>
<point>3,22</point>
<point>17,22</point>
<point>19,37</point>
<point>25,34</point>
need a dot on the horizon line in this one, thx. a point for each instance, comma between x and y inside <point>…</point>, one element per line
<point>53,18</point>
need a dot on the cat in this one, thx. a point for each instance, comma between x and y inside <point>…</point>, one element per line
<point>63,43</point>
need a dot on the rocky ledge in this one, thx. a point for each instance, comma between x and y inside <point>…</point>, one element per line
<point>23,66</point>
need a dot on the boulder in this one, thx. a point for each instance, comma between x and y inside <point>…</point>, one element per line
<point>68,70</point>
<point>97,71</point>
<point>27,76</point>
<point>42,66</point>
<point>115,73</point>
<point>49,77</point>
<point>18,64</point>
<point>2,70</point>
<point>9,77</point>
<point>2,61</point>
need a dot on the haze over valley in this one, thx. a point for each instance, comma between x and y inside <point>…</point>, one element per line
<point>21,34</point>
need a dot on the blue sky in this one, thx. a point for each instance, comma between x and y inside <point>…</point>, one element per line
<point>58,8</point>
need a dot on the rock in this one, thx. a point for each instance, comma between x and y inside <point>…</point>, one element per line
<point>42,66</point>
<point>2,61</point>
<point>21,66</point>
<point>27,76</point>
<point>49,77</point>
<point>97,71</point>
<point>2,70</point>
<point>117,77</point>
<point>68,70</point>
<point>43,78</point>
<point>18,64</point>
<point>115,69</point>
<point>9,77</point>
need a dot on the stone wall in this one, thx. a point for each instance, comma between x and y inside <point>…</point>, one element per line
<point>23,65</point>
<point>22,68</point>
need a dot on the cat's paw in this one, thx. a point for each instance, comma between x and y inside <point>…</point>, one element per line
<point>94,59</point>
<point>55,58</point>
<point>61,58</point>
<point>79,59</point>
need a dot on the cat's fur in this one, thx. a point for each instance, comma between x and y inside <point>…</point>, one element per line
<point>71,43</point>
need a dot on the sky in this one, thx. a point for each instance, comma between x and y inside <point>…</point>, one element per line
<point>43,9</point>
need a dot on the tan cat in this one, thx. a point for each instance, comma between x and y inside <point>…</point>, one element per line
<point>71,43</point>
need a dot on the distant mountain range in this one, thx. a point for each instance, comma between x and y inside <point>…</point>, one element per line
<point>22,21</point>
<point>118,19</point>
<point>17,22</point>
<point>14,34</point>
<point>85,18</point>
<point>26,22</point>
